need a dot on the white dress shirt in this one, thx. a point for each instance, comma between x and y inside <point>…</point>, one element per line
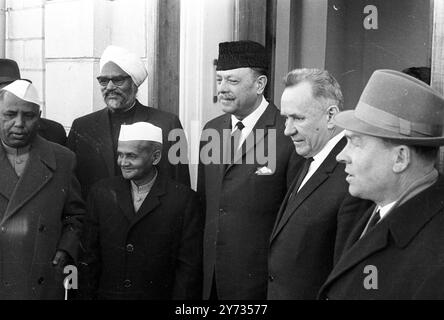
<point>321,156</point>
<point>249,121</point>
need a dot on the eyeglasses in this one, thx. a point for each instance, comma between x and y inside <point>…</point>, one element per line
<point>117,81</point>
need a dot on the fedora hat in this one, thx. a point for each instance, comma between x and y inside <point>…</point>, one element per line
<point>398,107</point>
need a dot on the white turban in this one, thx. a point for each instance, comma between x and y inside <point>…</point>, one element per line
<point>140,131</point>
<point>24,90</point>
<point>127,61</point>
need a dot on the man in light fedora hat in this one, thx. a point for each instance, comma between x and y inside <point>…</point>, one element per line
<point>48,129</point>
<point>396,250</point>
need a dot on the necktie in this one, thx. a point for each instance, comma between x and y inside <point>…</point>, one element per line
<point>302,175</point>
<point>235,138</point>
<point>372,223</point>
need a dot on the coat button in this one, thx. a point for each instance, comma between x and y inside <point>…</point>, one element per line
<point>129,248</point>
<point>270,278</point>
<point>127,283</point>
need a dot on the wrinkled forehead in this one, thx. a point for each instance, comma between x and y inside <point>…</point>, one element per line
<point>111,69</point>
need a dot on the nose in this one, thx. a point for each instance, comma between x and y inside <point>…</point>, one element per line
<point>222,86</point>
<point>110,85</point>
<point>290,129</point>
<point>122,161</point>
<point>19,122</point>
<point>343,156</point>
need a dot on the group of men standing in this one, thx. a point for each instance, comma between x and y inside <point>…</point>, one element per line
<point>342,191</point>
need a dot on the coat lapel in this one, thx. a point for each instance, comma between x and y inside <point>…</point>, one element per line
<point>102,134</point>
<point>152,201</point>
<point>124,199</point>
<point>317,179</point>
<point>370,243</point>
<point>8,178</point>
<point>38,172</point>
<point>267,119</point>
<point>402,224</point>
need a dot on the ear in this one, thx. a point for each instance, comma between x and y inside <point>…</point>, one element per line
<point>157,155</point>
<point>402,158</point>
<point>261,82</point>
<point>331,111</point>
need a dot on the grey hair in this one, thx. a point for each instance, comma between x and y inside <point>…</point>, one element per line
<point>325,87</point>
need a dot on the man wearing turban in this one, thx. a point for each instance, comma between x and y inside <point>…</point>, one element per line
<point>94,137</point>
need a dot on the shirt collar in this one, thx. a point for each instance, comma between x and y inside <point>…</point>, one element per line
<point>250,120</point>
<point>385,209</point>
<point>323,154</point>
<point>145,188</point>
<point>16,151</point>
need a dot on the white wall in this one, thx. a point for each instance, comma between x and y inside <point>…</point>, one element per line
<point>204,24</point>
<point>76,33</point>
<point>24,39</point>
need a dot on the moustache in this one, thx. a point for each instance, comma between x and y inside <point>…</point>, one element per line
<point>107,93</point>
<point>225,97</point>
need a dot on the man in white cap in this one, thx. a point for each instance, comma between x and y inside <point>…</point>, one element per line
<point>144,231</point>
<point>41,209</point>
<point>393,136</point>
<point>94,137</point>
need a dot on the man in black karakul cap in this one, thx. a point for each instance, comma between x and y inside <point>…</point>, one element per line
<point>242,194</point>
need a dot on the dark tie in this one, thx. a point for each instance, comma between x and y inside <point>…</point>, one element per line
<point>373,221</point>
<point>301,177</point>
<point>235,138</point>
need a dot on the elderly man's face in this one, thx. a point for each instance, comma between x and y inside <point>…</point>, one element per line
<point>18,121</point>
<point>137,159</point>
<point>306,121</point>
<point>369,165</point>
<point>119,93</point>
<point>238,91</point>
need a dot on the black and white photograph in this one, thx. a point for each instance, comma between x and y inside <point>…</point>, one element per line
<point>221,155</point>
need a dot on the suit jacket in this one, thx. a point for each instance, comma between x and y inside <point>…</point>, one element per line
<point>155,253</point>
<point>91,140</point>
<point>241,207</point>
<point>302,243</point>
<point>406,248</point>
<point>52,131</point>
<point>40,212</point>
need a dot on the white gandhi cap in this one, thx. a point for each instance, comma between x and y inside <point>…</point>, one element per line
<point>23,90</point>
<point>140,131</point>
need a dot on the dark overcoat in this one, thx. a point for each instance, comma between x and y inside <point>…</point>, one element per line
<point>241,208</point>
<point>302,243</point>
<point>52,131</point>
<point>153,254</point>
<point>91,140</point>
<point>402,257</point>
<point>39,213</point>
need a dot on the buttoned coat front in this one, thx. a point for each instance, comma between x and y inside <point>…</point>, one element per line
<point>242,201</point>
<point>402,257</point>
<point>40,212</point>
<point>153,254</point>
